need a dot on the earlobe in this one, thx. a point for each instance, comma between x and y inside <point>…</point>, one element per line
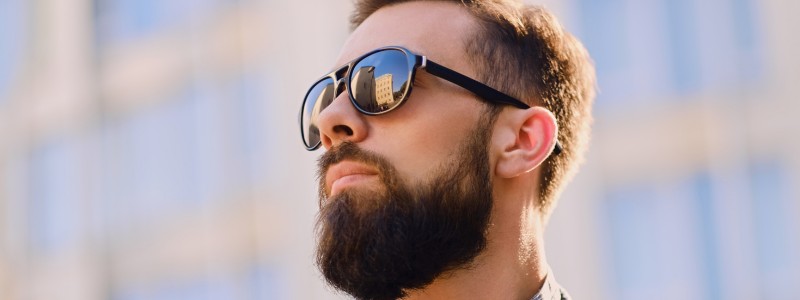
<point>528,141</point>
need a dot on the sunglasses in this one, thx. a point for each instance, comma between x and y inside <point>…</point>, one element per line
<point>380,81</point>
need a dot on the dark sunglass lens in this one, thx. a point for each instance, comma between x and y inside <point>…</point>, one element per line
<point>318,98</point>
<point>379,81</point>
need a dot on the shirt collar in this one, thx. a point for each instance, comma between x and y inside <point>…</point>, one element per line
<point>550,289</point>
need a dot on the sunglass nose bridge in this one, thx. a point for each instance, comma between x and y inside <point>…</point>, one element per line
<point>341,74</point>
<point>340,86</point>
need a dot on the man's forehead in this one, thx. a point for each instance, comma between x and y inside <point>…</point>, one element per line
<point>436,29</point>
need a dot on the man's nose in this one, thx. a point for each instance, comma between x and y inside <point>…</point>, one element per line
<point>340,122</point>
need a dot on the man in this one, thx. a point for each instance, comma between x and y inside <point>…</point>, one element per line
<point>435,185</point>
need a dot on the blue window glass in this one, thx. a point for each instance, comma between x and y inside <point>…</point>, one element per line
<point>662,240</point>
<point>210,287</point>
<point>54,189</point>
<point>642,50</point>
<point>681,28</point>
<point>14,190</point>
<point>725,48</point>
<point>746,28</point>
<point>116,204</point>
<point>210,141</point>
<point>604,34</point>
<point>184,151</point>
<point>645,50</point>
<point>775,229</point>
<point>251,123</point>
<point>130,19</point>
<point>155,170</point>
<point>713,45</point>
<point>703,198</point>
<point>266,283</point>
<point>204,287</point>
<point>228,143</point>
<point>633,237</point>
<point>12,34</point>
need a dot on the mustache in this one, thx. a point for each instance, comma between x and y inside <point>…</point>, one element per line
<point>350,151</point>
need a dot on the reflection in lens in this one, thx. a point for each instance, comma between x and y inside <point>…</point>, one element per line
<point>379,81</point>
<point>363,85</point>
<point>383,90</point>
<point>318,98</point>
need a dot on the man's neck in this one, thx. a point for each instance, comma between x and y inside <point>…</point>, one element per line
<point>512,267</point>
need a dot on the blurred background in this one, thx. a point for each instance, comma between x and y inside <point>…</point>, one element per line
<point>150,150</point>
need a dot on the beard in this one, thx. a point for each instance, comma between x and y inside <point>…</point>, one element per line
<point>382,241</point>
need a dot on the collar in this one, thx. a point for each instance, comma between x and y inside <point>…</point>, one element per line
<point>550,289</point>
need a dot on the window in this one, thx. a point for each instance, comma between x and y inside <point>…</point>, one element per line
<point>254,282</point>
<point>197,146</point>
<point>633,238</point>
<point>55,199</point>
<point>130,19</point>
<point>637,58</point>
<point>776,230</point>
<point>12,32</point>
<point>644,50</point>
<point>721,44</point>
<point>206,286</point>
<point>713,45</point>
<point>251,124</point>
<point>12,191</point>
<point>210,141</point>
<point>681,30</point>
<point>702,197</point>
<point>151,162</point>
<point>266,283</point>
<point>119,20</point>
<point>661,237</point>
<point>747,29</point>
<point>604,33</point>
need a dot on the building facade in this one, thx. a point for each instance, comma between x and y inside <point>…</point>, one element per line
<point>149,150</point>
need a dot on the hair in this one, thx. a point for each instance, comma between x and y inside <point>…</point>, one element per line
<point>523,51</point>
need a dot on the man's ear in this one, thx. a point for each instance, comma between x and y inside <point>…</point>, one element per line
<point>525,139</point>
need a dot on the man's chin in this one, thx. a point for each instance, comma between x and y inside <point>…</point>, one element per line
<point>361,249</point>
<point>378,245</point>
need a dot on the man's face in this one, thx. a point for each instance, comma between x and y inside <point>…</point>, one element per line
<point>405,196</point>
<point>426,129</point>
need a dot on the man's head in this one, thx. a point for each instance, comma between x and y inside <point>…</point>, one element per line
<point>412,194</point>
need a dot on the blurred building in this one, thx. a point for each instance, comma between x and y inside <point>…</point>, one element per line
<point>690,190</point>
<point>149,150</point>
<point>137,156</point>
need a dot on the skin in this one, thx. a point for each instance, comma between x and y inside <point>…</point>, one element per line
<point>422,133</point>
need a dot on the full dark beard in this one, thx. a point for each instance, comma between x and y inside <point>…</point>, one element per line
<point>380,243</point>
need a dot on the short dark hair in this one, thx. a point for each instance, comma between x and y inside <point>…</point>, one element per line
<point>523,51</point>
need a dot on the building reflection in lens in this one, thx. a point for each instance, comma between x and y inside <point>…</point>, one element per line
<point>324,99</point>
<point>383,91</point>
<point>363,84</point>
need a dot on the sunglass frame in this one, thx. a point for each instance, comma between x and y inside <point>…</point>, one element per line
<point>414,62</point>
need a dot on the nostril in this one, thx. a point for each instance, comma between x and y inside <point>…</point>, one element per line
<point>343,129</point>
